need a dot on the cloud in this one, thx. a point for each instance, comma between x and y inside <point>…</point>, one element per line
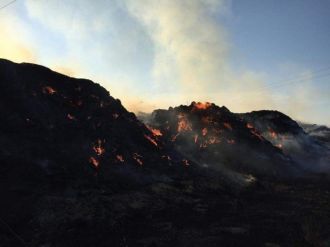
<point>191,48</point>
<point>193,54</point>
<point>150,54</point>
<point>16,42</point>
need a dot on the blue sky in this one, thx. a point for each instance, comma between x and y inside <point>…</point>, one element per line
<point>247,55</point>
<point>296,31</point>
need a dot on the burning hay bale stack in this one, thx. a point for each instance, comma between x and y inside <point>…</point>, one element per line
<point>70,126</point>
<point>77,169</point>
<point>214,137</point>
<point>306,150</point>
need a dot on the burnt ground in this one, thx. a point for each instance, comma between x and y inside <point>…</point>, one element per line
<point>182,213</point>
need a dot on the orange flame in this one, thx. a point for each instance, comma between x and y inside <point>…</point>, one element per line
<point>48,90</point>
<point>120,158</point>
<point>183,123</point>
<point>166,157</point>
<point>71,117</point>
<point>151,140</point>
<point>137,157</point>
<point>185,162</point>
<point>196,138</point>
<point>280,146</point>
<point>155,132</point>
<point>98,149</point>
<point>255,133</point>
<point>204,131</point>
<point>202,106</point>
<point>272,133</point>
<point>249,126</point>
<point>174,137</point>
<point>94,162</point>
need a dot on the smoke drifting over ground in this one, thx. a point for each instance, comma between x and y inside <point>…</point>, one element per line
<point>304,147</point>
<point>257,141</point>
<point>215,138</point>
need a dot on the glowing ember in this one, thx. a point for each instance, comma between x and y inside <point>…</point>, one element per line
<point>155,132</point>
<point>280,146</point>
<point>166,157</point>
<point>139,161</point>
<point>98,149</point>
<point>185,162</point>
<point>272,133</point>
<point>249,126</point>
<point>174,137</point>
<point>202,106</point>
<point>196,138</point>
<point>71,117</point>
<point>250,178</point>
<point>231,141</point>
<point>255,133</point>
<point>151,140</point>
<point>228,126</point>
<point>183,123</point>
<point>120,158</point>
<point>48,90</point>
<point>94,162</point>
<point>137,157</point>
<point>204,131</point>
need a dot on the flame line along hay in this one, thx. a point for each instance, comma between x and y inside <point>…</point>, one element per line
<point>151,140</point>
<point>183,123</point>
<point>155,132</point>
<point>272,133</point>
<point>228,126</point>
<point>201,106</point>
<point>98,148</point>
<point>120,158</point>
<point>196,138</point>
<point>214,135</point>
<point>94,162</point>
<point>70,116</point>
<point>48,90</point>
<point>138,158</point>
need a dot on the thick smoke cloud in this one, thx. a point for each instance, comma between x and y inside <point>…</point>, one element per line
<point>150,54</point>
<point>191,47</point>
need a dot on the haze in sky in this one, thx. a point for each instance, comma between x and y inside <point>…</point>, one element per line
<point>246,55</point>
